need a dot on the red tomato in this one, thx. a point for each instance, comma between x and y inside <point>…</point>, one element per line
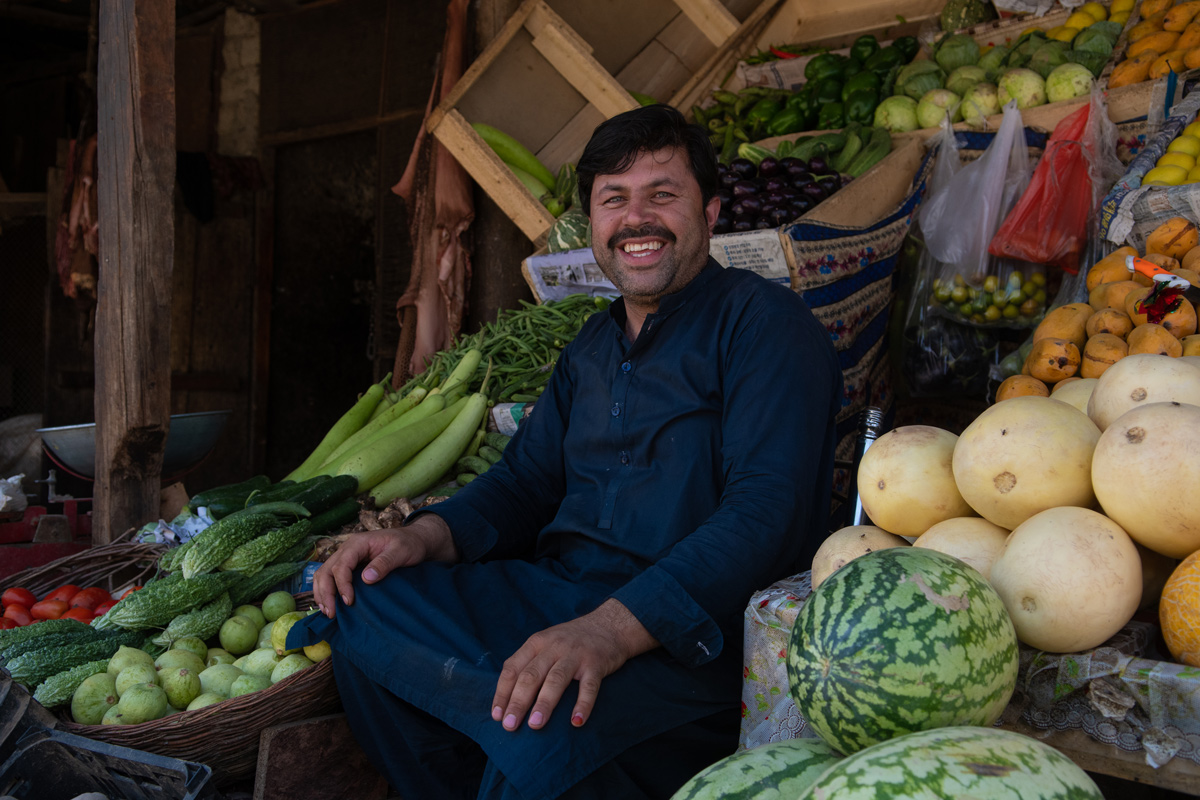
<point>18,614</point>
<point>48,609</point>
<point>17,596</point>
<point>103,608</point>
<point>89,598</point>
<point>80,613</point>
<point>64,592</point>
<point>127,592</point>
<point>6,623</point>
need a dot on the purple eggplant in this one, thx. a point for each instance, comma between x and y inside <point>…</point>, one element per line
<point>816,191</point>
<point>744,187</point>
<point>781,216</point>
<point>831,182</point>
<point>728,179</point>
<point>818,165</point>
<point>743,224</point>
<point>763,223</point>
<point>776,183</point>
<point>769,167</point>
<point>742,167</point>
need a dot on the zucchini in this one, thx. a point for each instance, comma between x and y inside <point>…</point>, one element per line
<point>230,494</point>
<point>343,513</point>
<point>326,494</point>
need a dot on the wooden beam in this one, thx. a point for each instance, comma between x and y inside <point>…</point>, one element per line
<point>260,368</point>
<point>22,204</point>
<point>337,128</point>
<point>136,176</point>
<point>712,18</point>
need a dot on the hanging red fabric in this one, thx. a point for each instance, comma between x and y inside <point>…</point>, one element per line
<point>1048,225</point>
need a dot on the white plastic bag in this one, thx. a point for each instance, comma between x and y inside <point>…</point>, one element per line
<point>12,496</point>
<point>959,222</point>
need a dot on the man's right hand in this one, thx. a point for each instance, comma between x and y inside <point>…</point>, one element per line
<point>427,538</point>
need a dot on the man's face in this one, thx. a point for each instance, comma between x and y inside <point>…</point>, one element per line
<point>650,228</point>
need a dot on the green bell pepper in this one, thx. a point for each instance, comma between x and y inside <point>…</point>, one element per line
<point>832,117</point>
<point>826,65</point>
<point>864,47</point>
<point>788,120</point>
<point>908,46</point>
<point>860,106</point>
<point>884,60</point>
<point>763,110</point>
<point>863,80</point>
<point>828,90</point>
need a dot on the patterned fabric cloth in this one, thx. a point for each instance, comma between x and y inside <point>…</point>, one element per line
<point>1118,693</point>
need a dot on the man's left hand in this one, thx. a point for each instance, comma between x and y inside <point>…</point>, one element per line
<point>587,649</point>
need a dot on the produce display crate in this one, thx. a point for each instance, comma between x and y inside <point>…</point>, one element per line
<point>1131,211</point>
<point>548,83</point>
<point>836,24</point>
<point>224,736</point>
<point>1114,709</point>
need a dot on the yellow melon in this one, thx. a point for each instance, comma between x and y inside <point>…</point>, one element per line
<point>906,482</point>
<point>1003,464</point>
<point>1156,570</point>
<point>1179,612</point>
<point>847,544</point>
<point>971,539</point>
<point>1141,379</point>
<point>1143,471</point>
<point>1055,559</point>
<point>1075,392</point>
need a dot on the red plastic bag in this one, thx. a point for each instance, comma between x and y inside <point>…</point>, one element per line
<point>1048,225</point>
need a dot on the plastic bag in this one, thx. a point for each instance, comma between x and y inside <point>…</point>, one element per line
<point>1049,224</point>
<point>960,221</point>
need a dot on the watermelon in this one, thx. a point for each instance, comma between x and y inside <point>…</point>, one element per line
<point>773,771</point>
<point>954,763</point>
<point>897,641</point>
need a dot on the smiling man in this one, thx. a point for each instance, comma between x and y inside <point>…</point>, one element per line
<point>569,624</point>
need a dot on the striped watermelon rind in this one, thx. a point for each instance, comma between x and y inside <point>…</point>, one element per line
<point>773,771</point>
<point>954,763</point>
<point>897,641</point>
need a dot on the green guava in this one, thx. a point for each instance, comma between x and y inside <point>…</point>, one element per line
<point>248,684</point>
<point>194,644</point>
<point>205,699</point>
<point>133,675</point>
<point>181,685</point>
<point>218,656</point>
<point>260,662</point>
<point>251,612</point>
<point>276,604</point>
<point>179,659</point>
<point>126,656</point>
<point>264,635</point>
<point>218,678</point>
<point>289,665</point>
<point>238,635</point>
<point>142,702</point>
<point>95,696</point>
<point>113,716</point>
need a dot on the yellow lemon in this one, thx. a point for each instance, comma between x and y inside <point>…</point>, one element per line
<point>1192,129</point>
<point>1080,20</point>
<point>1122,5</point>
<point>317,652</point>
<point>1185,143</point>
<point>1119,17</point>
<point>1033,29</point>
<point>1165,176</point>
<point>1193,175</point>
<point>1062,33</point>
<point>1095,10</point>
<point>1176,159</point>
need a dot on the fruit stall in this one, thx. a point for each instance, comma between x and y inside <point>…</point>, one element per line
<point>994,214</point>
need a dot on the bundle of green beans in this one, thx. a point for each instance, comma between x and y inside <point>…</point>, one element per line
<point>522,346</point>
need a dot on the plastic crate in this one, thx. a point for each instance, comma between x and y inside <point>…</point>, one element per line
<point>52,765</point>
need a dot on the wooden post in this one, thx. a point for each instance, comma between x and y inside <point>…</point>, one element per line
<point>136,177</point>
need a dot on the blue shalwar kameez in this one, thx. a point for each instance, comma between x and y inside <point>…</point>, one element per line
<point>677,474</point>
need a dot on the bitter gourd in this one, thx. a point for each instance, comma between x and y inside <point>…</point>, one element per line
<point>249,588</point>
<point>15,636</point>
<point>250,557</point>
<point>203,622</point>
<point>157,604</point>
<point>36,666</point>
<point>58,689</point>
<point>64,639</point>
<point>215,543</point>
<point>300,551</point>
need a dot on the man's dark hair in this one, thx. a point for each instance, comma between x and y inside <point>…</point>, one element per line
<point>617,143</point>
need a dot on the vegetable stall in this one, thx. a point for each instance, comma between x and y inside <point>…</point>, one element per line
<point>992,212</point>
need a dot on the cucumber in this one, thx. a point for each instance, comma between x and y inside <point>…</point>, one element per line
<point>343,513</point>
<point>326,494</point>
<point>233,495</point>
<point>284,491</point>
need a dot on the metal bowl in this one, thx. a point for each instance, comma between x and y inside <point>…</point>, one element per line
<point>191,438</point>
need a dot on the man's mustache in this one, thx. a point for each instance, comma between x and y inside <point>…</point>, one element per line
<point>639,233</point>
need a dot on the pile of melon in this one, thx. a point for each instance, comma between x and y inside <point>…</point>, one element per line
<point>1076,512</point>
<point>1079,341</point>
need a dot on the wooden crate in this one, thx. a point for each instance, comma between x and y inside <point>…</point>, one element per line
<point>548,83</point>
<point>826,23</point>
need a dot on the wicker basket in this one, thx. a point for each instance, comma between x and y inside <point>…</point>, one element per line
<point>225,736</point>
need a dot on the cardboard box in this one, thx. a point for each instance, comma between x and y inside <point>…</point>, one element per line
<point>548,84</point>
